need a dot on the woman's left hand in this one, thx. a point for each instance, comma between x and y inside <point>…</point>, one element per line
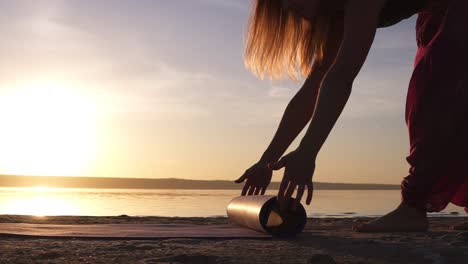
<point>299,169</point>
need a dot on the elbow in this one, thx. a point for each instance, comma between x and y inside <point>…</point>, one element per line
<point>300,106</point>
<point>339,84</point>
<point>303,100</point>
<point>341,78</point>
<point>295,108</point>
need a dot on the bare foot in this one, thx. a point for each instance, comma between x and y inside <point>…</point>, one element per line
<point>462,226</point>
<point>402,219</point>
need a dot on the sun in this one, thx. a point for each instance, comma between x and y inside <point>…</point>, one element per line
<point>47,129</point>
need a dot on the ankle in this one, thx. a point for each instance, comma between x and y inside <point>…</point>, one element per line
<point>413,209</point>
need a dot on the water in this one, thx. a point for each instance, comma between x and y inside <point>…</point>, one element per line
<point>42,201</point>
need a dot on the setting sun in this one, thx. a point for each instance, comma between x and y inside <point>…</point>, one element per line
<point>47,129</point>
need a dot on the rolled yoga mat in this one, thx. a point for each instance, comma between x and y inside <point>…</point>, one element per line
<point>261,213</point>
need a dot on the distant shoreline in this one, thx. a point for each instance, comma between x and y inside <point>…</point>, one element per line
<point>168,183</point>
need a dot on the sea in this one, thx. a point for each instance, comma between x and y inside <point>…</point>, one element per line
<point>43,201</point>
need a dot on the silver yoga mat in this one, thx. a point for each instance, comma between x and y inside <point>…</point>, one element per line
<point>261,213</point>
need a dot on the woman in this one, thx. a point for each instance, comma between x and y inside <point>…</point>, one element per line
<point>328,41</point>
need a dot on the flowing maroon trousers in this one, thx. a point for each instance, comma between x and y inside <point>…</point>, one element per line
<point>437,110</point>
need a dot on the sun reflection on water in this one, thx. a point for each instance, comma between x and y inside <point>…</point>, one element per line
<point>46,201</point>
<point>40,201</point>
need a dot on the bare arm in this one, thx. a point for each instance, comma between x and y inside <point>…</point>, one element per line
<point>360,23</point>
<point>297,114</point>
<point>361,19</point>
<point>301,107</point>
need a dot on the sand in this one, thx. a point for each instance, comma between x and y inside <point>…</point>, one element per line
<point>324,241</point>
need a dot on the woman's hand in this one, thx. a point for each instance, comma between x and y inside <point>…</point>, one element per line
<point>299,169</point>
<point>258,178</point>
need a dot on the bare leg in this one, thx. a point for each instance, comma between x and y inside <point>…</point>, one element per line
<point>402,219</point>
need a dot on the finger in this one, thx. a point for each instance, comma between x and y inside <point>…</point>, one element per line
<point>246,188</point>
<point>310,190</point>
<point>300,192</point>
<point>251,190</point>
<point>279,164</point>
<point>289,192</point>
<point>283,186</point>
<point>263,191</point>
<point>242,178</point>
<point>257,190</point>
<point>283,203</point>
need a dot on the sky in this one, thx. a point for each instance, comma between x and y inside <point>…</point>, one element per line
<point>158,89</point>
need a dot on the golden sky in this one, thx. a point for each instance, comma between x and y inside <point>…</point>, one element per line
<point>157,89</point>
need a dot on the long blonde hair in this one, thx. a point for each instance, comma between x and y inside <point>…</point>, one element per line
<point>280,42</point>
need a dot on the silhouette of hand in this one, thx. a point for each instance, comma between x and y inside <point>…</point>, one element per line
<point>258,178</point>
<point>299,169</point>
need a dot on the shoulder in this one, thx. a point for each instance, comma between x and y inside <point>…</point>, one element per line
<point>365,5</point>
<point>363,10</point>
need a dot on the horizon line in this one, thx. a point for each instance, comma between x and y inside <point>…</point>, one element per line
<point>185,179</point>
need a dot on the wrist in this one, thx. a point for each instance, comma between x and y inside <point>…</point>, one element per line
<point>307,150</point>
<point>266,160</point>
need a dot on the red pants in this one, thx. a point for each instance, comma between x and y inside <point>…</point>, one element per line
<point>437,110</point>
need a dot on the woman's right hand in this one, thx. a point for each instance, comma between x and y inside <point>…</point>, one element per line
<point>257,178</point>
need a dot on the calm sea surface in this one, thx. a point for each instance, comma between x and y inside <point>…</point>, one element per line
<point>110,202</point>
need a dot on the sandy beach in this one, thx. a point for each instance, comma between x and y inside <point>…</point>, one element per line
<point>323,241</point>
